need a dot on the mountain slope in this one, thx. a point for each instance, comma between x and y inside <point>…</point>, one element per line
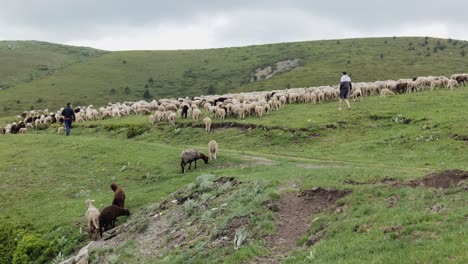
<point>25,61</point>
<point>126,75</point>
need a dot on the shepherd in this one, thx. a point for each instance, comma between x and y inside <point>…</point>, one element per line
<point>345,89</point>
<point>69,117</point>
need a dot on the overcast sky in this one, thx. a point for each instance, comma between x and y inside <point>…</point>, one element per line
<point>198,24</point>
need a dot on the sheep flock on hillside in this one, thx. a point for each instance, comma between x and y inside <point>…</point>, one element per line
<point>237,105</point>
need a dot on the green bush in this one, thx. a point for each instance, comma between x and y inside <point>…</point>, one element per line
<point>30,249</point>
<point>8,236</point>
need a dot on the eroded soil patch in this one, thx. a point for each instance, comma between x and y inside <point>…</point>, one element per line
<point>294,214</point>
<point>440,180</point>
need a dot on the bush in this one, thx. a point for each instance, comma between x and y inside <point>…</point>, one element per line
<point>9,236</point>
<point>30,249</point>
<point>190,206</point>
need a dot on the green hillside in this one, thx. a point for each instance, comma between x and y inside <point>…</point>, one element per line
<point>26,61</point>
<point>47,177</point>
<point>126,75</point>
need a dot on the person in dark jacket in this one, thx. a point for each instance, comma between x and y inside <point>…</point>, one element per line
<point>345,89</point>
<point>69,117</point>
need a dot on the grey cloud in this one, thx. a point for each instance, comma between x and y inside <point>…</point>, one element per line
<point>66,20</point>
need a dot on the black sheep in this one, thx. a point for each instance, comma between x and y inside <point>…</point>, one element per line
<point>14,129</point>
<point>185,109</point>
<point>108,216</point>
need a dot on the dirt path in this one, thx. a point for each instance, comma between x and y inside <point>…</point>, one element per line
<point>293,216</point>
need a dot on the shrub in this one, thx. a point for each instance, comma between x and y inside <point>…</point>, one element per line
<point>30,249</point>
<point>205,182</point>
<point>8,236</point>
<point>190,206</point>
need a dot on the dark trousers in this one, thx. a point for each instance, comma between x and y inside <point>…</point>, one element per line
<point>68,123</point>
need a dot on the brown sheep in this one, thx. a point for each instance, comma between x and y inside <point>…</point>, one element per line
<point>119,195</point>
<point>108,216</point>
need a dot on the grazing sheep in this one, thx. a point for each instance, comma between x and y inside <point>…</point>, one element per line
<point>2,130</point>
<point>171,118</point>
<point>357,93</point>
<point>22,130</point>
<point>196,113</point>
<point>119,195</point>
<point>220,113</point>
<point>384,92</point>
<point>207,122</point>
<point>212,149</point>
<point>185,109</point>
<point>60,130</point>
<point>108,216</point>
<point>259,110</point>
<point>191,155</point>
<point>92,219</point>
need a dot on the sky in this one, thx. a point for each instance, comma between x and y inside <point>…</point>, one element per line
<point>202,24</point>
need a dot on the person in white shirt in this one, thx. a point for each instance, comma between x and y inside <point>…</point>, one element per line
<point>345,89</point>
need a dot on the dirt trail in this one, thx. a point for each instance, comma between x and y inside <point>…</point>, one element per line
<point>294,213</point>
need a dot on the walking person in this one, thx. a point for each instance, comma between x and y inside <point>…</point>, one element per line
<point>345,89</point>
<point>69,117</point>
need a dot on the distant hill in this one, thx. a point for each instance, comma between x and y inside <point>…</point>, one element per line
<point>26,61</point>
<point>89,76</point>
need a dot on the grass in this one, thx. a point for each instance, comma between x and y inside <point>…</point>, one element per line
<point>26,61</point>
<point>46,178</point>
<point>126,75</point>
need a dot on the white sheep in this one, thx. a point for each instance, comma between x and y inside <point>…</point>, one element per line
<point>172,118</point>
<point>196,113</point>
<point>452,84</point>
<point>212,149</point>
<point>60,130</point>
<point>220,113</point>
<point>384,92</point>
<point>207,122</point>
<point>92,219</point>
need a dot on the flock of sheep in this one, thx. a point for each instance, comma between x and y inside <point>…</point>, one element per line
<point>238,105</point>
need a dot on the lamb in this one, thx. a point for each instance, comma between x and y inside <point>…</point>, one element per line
<point>207,122</point>
<point>119,195</point>
<point>190,155</point>
<point>212,149</point>
<point>92,219</point>
<point>385,92</point>
<point>22,130</point>
<point>60,130</point>
<point>108,216</point>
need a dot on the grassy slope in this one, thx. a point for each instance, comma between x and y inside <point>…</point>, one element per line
<point>47,177</point>
<point>25,61</point>
<point>192,72</point>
